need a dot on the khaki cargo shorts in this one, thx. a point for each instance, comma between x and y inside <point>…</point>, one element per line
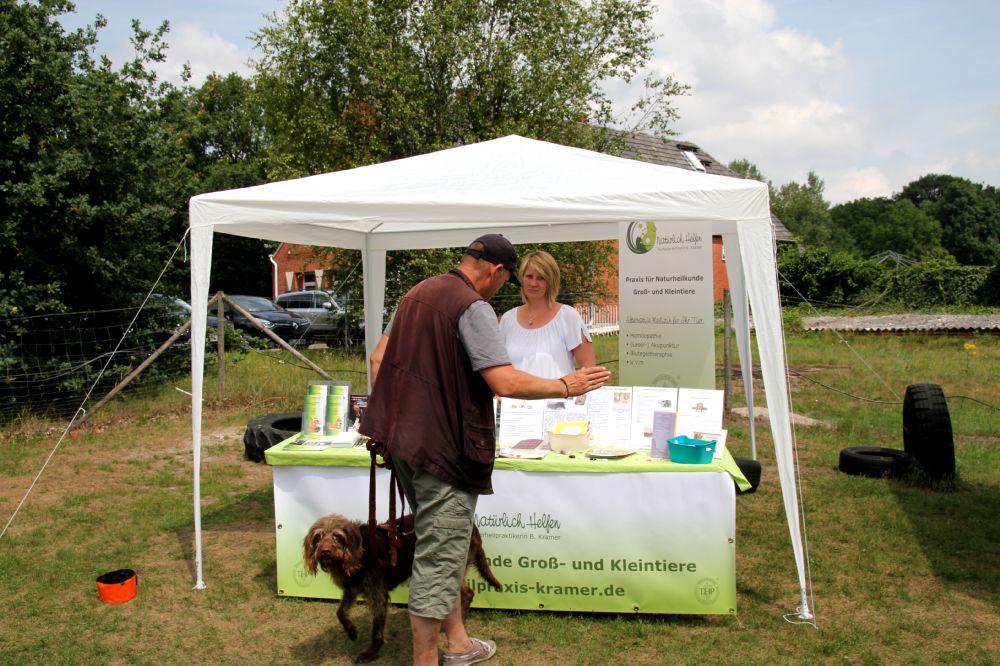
<point>444,517</point>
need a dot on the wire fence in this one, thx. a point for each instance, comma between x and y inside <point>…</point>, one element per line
<point>48,363</point>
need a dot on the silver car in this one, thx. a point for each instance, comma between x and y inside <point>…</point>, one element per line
<point>328,317</point>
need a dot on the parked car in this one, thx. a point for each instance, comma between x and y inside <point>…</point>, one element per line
<point>329,315</point>
<point>289,326</point>
<point>183,313</point>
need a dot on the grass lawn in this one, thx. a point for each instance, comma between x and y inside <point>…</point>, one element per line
<point>901,572</point>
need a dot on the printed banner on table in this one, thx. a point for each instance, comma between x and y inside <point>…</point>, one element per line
<point>606,542</point>
<point>666,328</point>
<point>626,543</point>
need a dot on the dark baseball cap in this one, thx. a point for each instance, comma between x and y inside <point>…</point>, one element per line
<point>496,249</point>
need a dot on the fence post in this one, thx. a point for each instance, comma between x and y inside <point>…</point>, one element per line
<point>135,373</point>
<point>281,343</point>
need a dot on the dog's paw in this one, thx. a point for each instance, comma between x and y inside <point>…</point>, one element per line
<point>367,656</point>
<point>352,631</point>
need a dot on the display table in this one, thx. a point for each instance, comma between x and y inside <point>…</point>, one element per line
<point>563,533</point>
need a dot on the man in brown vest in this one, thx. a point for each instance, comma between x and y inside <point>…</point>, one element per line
<point>439,364</point>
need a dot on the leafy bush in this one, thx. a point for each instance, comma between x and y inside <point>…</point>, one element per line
<point>817,275</point>
<point>936,281</point>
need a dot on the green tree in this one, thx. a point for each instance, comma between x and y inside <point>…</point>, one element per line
<point>871,226</point>
<point>229,145</point>
<point>744,168</point>
<point>95,176</point>
<point>852,223</point>
<point>346,84</point>
<point>92,164</point>
<point>905,229</point>
<point>804,210</point>
<point>969,214</point>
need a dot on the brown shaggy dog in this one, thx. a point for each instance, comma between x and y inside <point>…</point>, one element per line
<point>340,547</point>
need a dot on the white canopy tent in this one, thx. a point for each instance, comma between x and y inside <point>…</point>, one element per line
<point>531,191</point>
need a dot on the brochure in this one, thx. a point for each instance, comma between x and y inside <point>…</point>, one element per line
<point>620,417</point>
<point>342,441</point>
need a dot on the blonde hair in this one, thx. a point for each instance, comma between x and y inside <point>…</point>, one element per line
<point>546,266</point>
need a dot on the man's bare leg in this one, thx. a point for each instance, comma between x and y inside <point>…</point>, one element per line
<point>425,640</point>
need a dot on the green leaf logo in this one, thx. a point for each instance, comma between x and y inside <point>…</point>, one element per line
<point>641,237</point>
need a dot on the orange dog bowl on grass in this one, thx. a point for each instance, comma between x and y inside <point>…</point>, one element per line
<point>117,587</point>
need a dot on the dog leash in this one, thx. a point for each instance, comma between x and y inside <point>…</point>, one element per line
<point>396,539</point>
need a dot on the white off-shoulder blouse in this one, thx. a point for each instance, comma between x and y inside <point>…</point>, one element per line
<point>546,351</point>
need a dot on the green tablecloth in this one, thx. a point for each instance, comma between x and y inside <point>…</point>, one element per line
<point>638,462</point>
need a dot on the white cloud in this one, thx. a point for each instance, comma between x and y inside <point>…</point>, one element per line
<point>763,92</point>
<point>852,184</point>
<point>204,51</point>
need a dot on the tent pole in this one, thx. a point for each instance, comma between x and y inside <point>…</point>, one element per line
<point>804,611</point>
<point>201,262</point>
<point>741,316</point>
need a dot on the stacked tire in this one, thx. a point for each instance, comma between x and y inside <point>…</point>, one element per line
<point>927,434</point>
<point>875,461</point>
<point>928,442</point>
<point>265,431</point>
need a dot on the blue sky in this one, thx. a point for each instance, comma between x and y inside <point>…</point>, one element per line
<point>869,94</point>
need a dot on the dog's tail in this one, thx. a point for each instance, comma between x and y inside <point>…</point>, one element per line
<point>482,564</point>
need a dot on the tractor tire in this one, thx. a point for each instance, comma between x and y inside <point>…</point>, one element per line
<point>265,431</point>
<point>927,434</point>
<point>874,461</point>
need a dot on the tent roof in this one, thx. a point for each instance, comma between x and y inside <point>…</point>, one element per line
<point>433,200</point>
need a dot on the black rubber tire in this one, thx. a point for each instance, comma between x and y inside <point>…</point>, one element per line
<point>751,470</point>
<point>265,431</point>
<point>927,434</point>
<point>875,461</point>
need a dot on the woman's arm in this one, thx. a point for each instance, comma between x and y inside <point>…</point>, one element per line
<point>508,382</point>
<point>584,353</point>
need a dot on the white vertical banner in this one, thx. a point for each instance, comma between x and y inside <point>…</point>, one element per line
<point>667,335</point>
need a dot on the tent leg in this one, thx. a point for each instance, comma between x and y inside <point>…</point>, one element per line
<point>804,611</point>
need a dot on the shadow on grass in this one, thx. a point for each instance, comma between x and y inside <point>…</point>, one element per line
<point>252,512</point>
<point>958,532</point>
<point>330,641</point>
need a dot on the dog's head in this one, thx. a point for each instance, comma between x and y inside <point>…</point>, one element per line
<point>333,543</point>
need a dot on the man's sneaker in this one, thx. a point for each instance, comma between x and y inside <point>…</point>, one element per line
<point>481,651</point>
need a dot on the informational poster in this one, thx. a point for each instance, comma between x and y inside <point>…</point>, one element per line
<point>618,416</point>
<point>666,325</point>
<point>610,415</point>
<point>698,409</point>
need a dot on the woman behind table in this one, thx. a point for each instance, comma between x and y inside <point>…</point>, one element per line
<point>543,337</point>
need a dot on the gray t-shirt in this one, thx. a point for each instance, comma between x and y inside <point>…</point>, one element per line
<point>480,334</point>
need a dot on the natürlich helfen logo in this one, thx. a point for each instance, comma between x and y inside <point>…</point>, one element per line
<point>641,237</point>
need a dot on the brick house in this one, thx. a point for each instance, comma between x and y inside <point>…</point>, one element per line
<point>296,267</point>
